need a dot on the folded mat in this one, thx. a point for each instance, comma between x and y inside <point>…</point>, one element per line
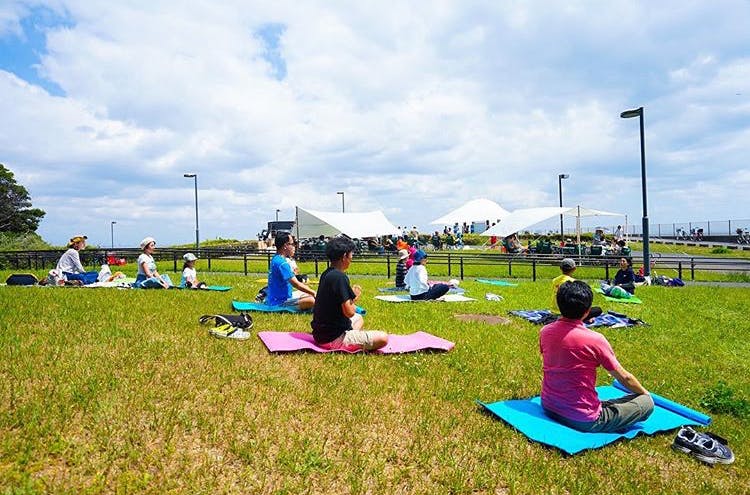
<point>397,344</point>
<point>265,308</point>
<point>528,417</point>
<point>407,298</point>
<point>632,300</point>
<point>501,283</point>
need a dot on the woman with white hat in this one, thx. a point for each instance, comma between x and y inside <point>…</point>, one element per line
<point>148,277</point>
<point>70,262</point>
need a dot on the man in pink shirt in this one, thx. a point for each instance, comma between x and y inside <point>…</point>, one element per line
<point>570,355</point>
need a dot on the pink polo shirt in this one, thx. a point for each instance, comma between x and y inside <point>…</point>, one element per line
<point>570,355</point>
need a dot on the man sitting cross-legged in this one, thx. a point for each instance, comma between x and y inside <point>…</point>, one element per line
<point>335,323</point>
<point>571,354</point>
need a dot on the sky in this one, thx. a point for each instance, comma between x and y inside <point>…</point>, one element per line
<point>412,109</point>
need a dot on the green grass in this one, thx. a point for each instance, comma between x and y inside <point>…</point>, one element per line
<point>106,390</point>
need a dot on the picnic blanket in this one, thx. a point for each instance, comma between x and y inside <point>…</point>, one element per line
<point>528,417</point>
<point>265,308</point>
<point>609,319</point>
<point>219,288</point>
<point>407,298</point>
<point>501,283</point>
<point>397,344</point>
<point>452,290</point>
<point>632,300</point>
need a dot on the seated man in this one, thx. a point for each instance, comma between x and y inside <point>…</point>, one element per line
<point>281,278</point>
<point>571,354</point>
<point>336,323</point>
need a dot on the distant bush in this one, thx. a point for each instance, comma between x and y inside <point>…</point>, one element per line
<point>22,242</point>
<point>720,250</point>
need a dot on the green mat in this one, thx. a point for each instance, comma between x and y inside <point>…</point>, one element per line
<point>632,300</point>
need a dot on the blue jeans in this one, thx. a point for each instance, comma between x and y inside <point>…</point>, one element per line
<point>86,277</point>
<point>152,283</point>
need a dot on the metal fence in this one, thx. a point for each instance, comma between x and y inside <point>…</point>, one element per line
<point>457,264</point>
<point>710,227</point>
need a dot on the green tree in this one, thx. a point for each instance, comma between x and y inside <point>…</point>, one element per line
<point>16,213</point>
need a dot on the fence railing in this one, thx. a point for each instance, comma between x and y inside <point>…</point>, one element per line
<point>710,227</point>
<point>455,264</point>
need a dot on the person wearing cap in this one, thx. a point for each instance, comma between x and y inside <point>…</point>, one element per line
<point>567,267</point>
<point>189,275</point>
<point>417,280</point>
<point>401,269</point>
<point>336,325</point>
<point>70,262</point>
<point>148,277</point>
<point>281,278</point>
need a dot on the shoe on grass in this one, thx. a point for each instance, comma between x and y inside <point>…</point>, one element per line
<point>705,447</point>
<point>229,332</point>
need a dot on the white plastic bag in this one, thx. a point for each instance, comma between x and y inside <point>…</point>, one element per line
<point>104,274</point>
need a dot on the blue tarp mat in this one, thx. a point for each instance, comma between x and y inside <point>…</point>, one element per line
<point>527,416</point>
<point>501,283</point>
<point>256,306</point>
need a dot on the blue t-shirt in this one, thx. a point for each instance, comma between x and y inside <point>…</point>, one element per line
<point>279,288</point>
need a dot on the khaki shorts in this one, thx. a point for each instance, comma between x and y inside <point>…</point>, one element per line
<point>354,340</point>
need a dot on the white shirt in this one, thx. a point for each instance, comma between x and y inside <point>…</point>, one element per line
<point>70,262</point>
<point>189,276</point>
<point>416,279</point>
<point>150,263</point>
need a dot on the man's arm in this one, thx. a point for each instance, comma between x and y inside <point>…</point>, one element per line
<point>348,307</point>
<point>300,286</point>
<point>626,378</point>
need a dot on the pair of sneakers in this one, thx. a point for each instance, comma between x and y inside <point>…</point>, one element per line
<point>227,331</point>
<point>706,447</point>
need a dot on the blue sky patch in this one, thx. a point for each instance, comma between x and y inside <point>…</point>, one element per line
<point>270,34</point>
<point>22,54</point>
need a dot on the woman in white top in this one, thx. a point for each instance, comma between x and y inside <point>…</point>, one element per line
<point>70,262</point>
<point>416,279</point>
<point>148,277</point>
<point>189,275</point>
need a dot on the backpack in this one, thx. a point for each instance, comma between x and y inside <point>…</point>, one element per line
<point>229,326</point>
<point>22,279</point>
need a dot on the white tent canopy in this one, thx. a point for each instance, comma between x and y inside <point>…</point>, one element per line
<point>473,211</point>
<point>524,218</point>
<point>311,223</point>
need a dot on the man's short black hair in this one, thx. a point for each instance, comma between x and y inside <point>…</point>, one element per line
<point>281,239</point>
<point>338,247</point>
<point>574,299</point>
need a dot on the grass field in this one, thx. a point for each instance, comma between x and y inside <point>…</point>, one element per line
<point>122,391</point>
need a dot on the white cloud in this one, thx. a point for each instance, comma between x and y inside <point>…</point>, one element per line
<point>413,110</point>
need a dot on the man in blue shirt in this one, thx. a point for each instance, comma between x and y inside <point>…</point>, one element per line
<point>281,278</point>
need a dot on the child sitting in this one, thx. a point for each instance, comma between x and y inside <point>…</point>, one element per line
<point>568,266</point>
<point>336,323</point>
<point>401,269</point>
<point>571,354</point>
<point>189,275</point>
<point>416,279</point>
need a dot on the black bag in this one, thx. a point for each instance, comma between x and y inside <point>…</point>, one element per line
<point>22,279</point>
<point>242,321</point>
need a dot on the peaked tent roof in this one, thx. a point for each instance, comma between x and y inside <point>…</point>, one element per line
<point>523,218</point>
<point>475,210</point>
<point>312,223</point>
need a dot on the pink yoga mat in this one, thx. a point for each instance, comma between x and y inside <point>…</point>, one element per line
<point>298,341</point>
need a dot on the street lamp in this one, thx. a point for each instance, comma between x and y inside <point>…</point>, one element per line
<point>342,201</point>
<point>277,214</point>
<point>195,179</point>
<point>560,178</point>
<point>112,232</point>
<point>629,114</point>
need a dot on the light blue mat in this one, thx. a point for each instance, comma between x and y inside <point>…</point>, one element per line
<point>265,308</point>
<point>501,283</point>
<point>527,416</point>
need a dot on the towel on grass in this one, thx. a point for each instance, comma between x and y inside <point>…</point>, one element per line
<point>528,417</point>
<point>632,300</point>
<point>407,298</point>
<point>397,344</point>
<point>265,308</point>
<point>452,290</point>
<point>608,319</point>
<point>501,283</point>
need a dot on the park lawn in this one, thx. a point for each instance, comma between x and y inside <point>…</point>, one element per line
<point>107,390</point>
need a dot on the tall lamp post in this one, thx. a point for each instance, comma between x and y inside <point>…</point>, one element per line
<point>195,181</point>
<point>277,214</point>
<point>342,201</point>
<point>112,232</point>
<point>629,114</point>
<point>560,178</point>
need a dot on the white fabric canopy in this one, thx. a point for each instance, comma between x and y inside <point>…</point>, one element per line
<point>522,219</point>
<point>474,210</point>
<point>311,223</point>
